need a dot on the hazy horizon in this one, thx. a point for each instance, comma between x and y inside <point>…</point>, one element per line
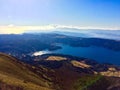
<point>19,16</point>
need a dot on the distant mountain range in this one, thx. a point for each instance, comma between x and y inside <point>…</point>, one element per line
<point>105,34</point>
<point>87,33</point>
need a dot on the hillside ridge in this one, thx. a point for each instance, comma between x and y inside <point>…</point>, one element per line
<point>14,73</point>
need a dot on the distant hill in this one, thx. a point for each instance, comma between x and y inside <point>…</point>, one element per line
<point>105,34</point>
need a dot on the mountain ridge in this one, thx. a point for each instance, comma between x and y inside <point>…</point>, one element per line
<point>70,73</point>
<point>13,72</point>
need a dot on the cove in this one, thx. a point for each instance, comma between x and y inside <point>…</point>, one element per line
<point>99,54</point>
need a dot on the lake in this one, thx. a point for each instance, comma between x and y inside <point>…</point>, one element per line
<point>99,54</point>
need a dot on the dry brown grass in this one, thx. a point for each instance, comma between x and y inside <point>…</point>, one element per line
<point>55,58</point>
<point>111,72</point>
<point>16,74</point>
<point>80,64</point>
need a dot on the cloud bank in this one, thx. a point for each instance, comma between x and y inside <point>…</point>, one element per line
<point>13,29</point>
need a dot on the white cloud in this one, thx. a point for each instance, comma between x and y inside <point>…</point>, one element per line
<point>86,27</point>
<point>13,29</point>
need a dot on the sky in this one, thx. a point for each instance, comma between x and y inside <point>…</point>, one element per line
<point>16,16</point>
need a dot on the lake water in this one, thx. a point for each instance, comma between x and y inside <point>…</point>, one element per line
<point>99,54</point>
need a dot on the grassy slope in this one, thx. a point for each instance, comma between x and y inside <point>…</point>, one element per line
<point>16,74</point>
<point>86,81</point>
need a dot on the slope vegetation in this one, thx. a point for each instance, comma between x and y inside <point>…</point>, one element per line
<point>15,75</point>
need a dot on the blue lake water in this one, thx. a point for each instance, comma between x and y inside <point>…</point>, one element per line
<point>99,54</point>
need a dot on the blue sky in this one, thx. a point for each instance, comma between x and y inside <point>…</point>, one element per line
<point>94,13</point>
